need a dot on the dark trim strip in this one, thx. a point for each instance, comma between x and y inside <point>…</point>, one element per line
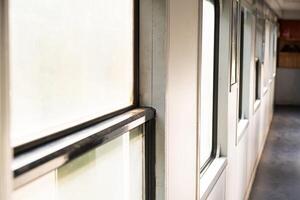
<point>216,80</point>
<point>150,160</point>
<point>136,53</point>
<point>241,61</point>
<point>60,134</point>
<point>41,160</point>
<point>257,79</point>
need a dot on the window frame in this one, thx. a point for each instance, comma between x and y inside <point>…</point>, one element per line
<point>246,15</point>
<point>32,143</point>
<point>258,59</point>
<point>234,62</point>
<point>267,52</point>
<point>246,48</point>
<point>257,80</point>
<point>121,121</point>
<point>241,65</point>
<point>275,49</point>
<point>213,153</point>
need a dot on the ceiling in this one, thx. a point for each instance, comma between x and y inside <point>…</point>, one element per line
<point>289,4</point>
<point>286,9</point>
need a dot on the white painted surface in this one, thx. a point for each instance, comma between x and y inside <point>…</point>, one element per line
<point>275,6</point>
<point>153,67</point>
<point>285,9</point>
<point>219,190</point>
<point>289,4</point>
<point>5,149</point>
<point>211,176</point>
<point>181,104</point>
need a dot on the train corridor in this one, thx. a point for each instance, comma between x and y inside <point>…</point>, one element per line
<point>278,173</point>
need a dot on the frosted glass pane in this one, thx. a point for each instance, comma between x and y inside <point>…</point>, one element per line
<point>71,61</point>
<point>111,172</point>
<point>267,61</point>
<point>233,68</point>
<point>114,171</point>
<point>207,81</point>
<point>260,39</point>
<point>247,61</point>
<point>42,188</point>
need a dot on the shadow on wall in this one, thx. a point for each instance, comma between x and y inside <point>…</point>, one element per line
<point>287,90</point>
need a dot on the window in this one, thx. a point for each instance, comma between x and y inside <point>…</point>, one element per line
<point>73,91</point>
<point>234,42</point>
<point>260,29</point>
<point>100,175</point>
<point>208,77</point>
<point>268,52</point>
<point>274,58</point>
<point>241,70</point>
<point>257,79</point>
<point>72,62</point>
<point>272,50</point>
<point>260,37</point>
<point>245,61</point>
<point>114,170</point>
<point>271,47</point>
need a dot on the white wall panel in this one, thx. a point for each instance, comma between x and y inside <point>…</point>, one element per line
<point>181,103</point>
<point>219,190</point>
<point>5,150</point>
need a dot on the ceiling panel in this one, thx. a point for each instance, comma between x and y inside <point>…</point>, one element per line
<point>289,4</point>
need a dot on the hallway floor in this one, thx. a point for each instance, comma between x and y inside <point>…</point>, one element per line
<point>278,173</point>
